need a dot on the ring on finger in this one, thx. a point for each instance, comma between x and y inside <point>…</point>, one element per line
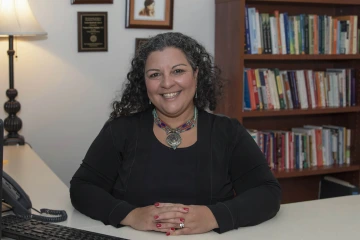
<point>182,225</point>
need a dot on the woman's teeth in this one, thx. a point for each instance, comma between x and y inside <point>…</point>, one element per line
<point>170,95</point>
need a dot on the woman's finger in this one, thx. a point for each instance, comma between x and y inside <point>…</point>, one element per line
<point>170,215</point>
<point>176,221</point>
<point>183,231</point>
<point>164,230</point>
<point>167,225</point>
<point>159,205</point>
<point>174,209</point>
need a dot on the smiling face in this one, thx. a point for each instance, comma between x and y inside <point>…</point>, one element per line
<point>170,82</point>
<point>151,6</point>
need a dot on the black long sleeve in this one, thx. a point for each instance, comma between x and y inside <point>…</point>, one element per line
<point>258,193</point>
<point>92,184</point>
<point>98,186</point>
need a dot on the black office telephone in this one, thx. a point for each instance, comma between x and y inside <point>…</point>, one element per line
<point>20,203</point>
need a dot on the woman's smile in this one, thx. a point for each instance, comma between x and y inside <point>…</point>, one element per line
<point>171,96</point>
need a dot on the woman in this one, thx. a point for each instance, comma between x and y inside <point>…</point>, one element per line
<point>163,163</point>
<point>149,9</point>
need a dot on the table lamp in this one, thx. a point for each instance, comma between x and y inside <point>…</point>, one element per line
<point>16,19</point>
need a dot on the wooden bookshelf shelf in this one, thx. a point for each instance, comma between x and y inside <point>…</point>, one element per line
<point>269,113</point>
<point>316,171</point>
<point>232,58</point>
<point>303,57</point>
<point>328,2</point>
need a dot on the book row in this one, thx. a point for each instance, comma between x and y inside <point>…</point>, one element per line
<point>304,147</point>
<point>270,89</point>
<point>280,33</point>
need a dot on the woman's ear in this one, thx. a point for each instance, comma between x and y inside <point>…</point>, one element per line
<point>196,73</point>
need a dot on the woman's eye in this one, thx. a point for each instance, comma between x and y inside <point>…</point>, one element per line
<point>177,71</point>
<point>154,75</point>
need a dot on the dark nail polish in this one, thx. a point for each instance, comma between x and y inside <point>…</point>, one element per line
<point>172,229</point>
<point>181,219</point>
<point>186,209</point>
<point>157,204</point>
<point>167,234</point>
<point>156,217</point>
<point>158,225</point>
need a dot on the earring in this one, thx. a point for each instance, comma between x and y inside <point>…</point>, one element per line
<point>149,101</point>
<point>196,94</point>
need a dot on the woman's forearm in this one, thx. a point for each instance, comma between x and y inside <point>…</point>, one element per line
<point>98,204</point>
<point>252,207</point>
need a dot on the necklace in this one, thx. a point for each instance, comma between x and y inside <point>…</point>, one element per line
<point>173,138</point>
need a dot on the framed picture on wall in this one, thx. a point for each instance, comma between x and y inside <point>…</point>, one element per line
<point>92,31</point>
<point>157,14</point>
<point>91,1</point>
<point>139,42</point>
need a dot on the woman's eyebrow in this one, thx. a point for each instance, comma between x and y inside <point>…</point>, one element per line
<point>181,64</point>
<point>153,69</point>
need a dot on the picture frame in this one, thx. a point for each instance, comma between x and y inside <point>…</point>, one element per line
<point>92,1</point>
<point>152,14</point>
<point>139,42</point>
<point>92,31</point>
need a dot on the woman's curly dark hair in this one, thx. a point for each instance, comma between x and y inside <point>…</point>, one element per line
<point>209,84</point>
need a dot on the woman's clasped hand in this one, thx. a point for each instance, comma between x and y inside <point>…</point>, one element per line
<point>172,219</point>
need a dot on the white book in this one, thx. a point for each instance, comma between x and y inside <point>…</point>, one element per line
<point>274,40</point>
<point>270,100</point>
<point>300,81</point>
<point>348,144</point>
<point>331,35</point>
<point>273,88</point>
<point>343,83</point>
<point>252,30</point>
<point>330,77</point>
<point>355,35</point>
<point>258,35</point>
<point>312,88</point>
<point>296,35</point>
<point>326,147</point>
<point>282,34</point>
<point>336,92</point>
<point>322,92</point>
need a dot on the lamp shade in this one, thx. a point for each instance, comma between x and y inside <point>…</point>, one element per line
<point>17,19</point>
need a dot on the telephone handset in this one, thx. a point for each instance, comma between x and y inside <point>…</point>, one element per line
<point>21,205</point>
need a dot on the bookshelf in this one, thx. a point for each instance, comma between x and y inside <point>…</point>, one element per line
<point>297,185</point>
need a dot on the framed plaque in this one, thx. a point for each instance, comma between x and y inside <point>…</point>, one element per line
<point>156,14</point>
<point>139,42</point>
<point>91,1</point>
<point>92,31</point>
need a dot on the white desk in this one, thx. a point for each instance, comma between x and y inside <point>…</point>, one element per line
<point>337,218</point>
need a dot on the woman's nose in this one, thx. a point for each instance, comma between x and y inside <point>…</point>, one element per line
<point>167,81</point>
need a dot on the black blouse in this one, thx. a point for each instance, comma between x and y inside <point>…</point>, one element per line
<point>127,167</point>
<point>169,176</point>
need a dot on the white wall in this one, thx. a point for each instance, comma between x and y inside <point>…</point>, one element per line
<point>66,95</point>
